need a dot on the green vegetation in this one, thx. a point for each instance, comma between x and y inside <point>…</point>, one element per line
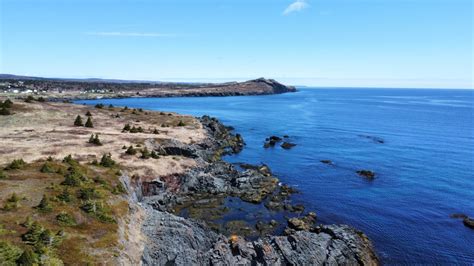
<point>47,168</point>
<point>16,164</point>
<point>126,127</point>
<point>99,106</point>
<point>154,155</point>
<point>7,103</point>
<point>145,153</point>
<point>89,122</point>
<point>88,113</point>
<point>9,253</point>
<point>71,218</point>
<point>136,129</point>
<point>131,150</point>
<point>78,122</point>
<point>2,174</point>
<point>73,177</point>
<point>107,161</point>
<point>5,111</point>
<point>65,219</point>
<point>12,203</point>
<point>41,99</point>
<point>95,140</point>
<point>181,123</point>
<point>65,196</point>
<point>44,205</point>
<point>29,99</point>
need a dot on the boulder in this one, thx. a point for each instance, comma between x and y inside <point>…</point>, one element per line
<point>369,175</point>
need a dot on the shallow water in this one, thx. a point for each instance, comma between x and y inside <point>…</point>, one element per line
<point>425,167</point>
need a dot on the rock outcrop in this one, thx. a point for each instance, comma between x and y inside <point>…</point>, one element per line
<point>175,240</point>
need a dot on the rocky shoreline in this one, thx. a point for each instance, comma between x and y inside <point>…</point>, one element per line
<point>198,240</point>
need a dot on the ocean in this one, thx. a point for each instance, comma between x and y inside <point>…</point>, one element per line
<point>424,167</point>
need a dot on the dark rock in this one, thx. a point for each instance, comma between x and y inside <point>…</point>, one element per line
<point>458,216</point>
<point>305,223</point>
<point>373,138</point>
<point>369,175</point>
<point>469,222</point>
<point>271,141</point>
<point>287,145</point>
<point>326,161</point>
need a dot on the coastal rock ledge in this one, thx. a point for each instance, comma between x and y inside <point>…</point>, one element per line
<point>178,241</point>
<point>175,240</point>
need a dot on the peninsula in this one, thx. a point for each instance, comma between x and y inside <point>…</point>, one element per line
<point>116,185</point>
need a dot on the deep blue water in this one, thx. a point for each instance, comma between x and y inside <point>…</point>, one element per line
<point>425,168</point>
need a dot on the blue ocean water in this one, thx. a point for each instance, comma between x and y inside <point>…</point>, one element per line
<point>425,167</point>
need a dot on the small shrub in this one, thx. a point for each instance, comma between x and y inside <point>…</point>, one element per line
<point>181,123</point>
<point>126,127</point>
<point>89,122</point>
<point>69,160</point>
<point>2,174</point>
<point>124,147</point>
<point>47,168</point>
<point>154,155</point>
<point>78,122</point>
<point>7,103</point>
<point>16,164</point>
<point>9,253</point>
<point>50,159</point>
<point>88,113</point>
<point>29,99</point>
<point>134,130</point>
<point>5,111</point>
<point>131,151</point>
<point>145,153</point>
<point>89,194</point>
<point>155,131</point>
<point>28,257</point>
<point>44,205</point>
<point>65,196</point>
<point>41,99</point>
<point>107,160</point>
<point>65,219</point>
<point>95,140</point>
<point>119,189</point>
<point>73,178</point>
<point>12,203</point>
<point>100,180</point>
<point>99,106</point>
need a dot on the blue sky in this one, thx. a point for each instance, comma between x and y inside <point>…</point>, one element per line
<point>389,43</point>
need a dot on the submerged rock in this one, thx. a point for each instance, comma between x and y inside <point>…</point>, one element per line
<point>271,141</point>
<point>469,222</point>
<point>369,175</point>
<point>326,161</point>
<point>287,145</point>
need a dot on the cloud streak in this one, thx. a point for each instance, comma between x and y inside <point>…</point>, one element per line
<point>296,6</point>
<point>130,34</point>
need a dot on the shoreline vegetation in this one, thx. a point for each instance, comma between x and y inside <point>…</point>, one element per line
<point>116,185</point>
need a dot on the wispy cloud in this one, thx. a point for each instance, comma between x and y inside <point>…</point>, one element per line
<point>296,6</point>
<point>130,34</point>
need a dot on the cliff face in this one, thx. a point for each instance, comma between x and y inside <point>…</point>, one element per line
<point>176,240</point>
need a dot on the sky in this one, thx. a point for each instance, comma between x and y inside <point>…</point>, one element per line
<point>341,43</point>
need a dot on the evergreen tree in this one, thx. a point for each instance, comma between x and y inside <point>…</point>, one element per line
<point>78,121</point>
<point>88,113</point>
<point>181,123</point>
<point>5,111</point>
<point>95,140</point>
<point>47,168</point>
<point>44,205</point>
<point>27,258</point>
<point>131,151</point>
<point>89,122</point>
<point>145,153</point>
<point>65,196</point>
<point>107,160</point>
<point>16,164</point>
<point>9,253</point>
<point>7,103</point>
<point>126,127</point>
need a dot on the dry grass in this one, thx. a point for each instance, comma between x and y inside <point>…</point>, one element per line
<point>38,130</point>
